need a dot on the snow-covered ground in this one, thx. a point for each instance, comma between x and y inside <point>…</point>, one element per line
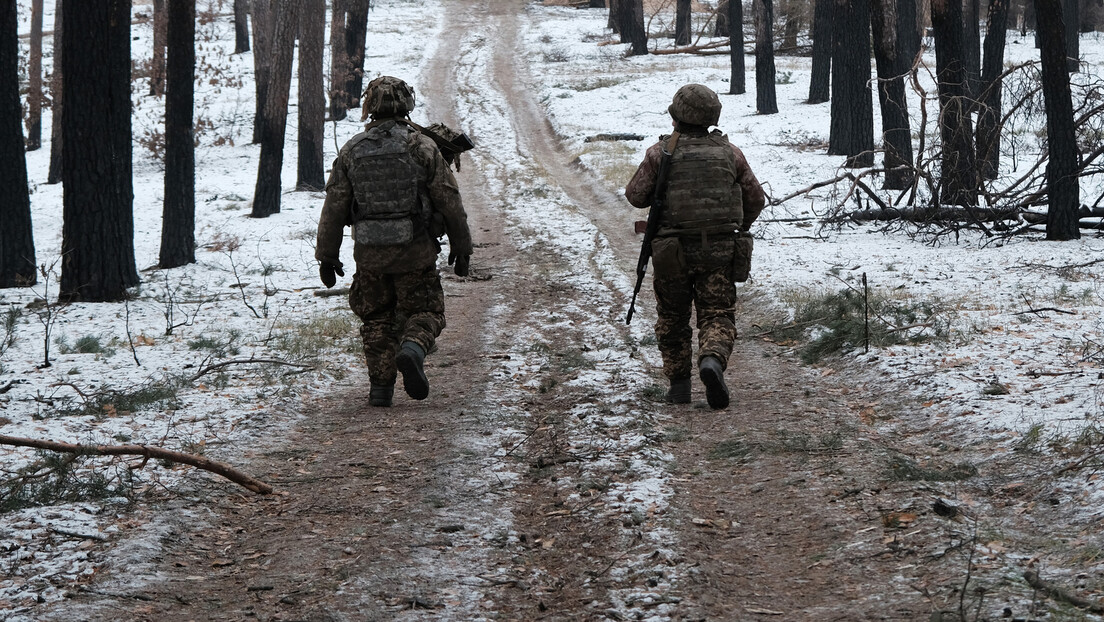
<point>118,374</point>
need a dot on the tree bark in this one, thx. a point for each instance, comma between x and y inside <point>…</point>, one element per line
<point>17,256</point>
<point>97,246</point>
<point>157,59</point>
<point>53,176</point>
<point>720,27</point>
<point>263,18</point>
<point>766,101</point>
<point>896,134</point>
<point>178,216</point>
<point>823,34</point>
<point>682,22</point>
<point>339,103</point>
<point>971,40</point>
<point>312,98</point>
<point>1063,197</point>
<point>958,176</point>
<point>356,37</point>
<point>34,75</point>
<point>241,26</point>
<point>614,15</point>
<point>632,26</point>
<point>737,84</point>
<point>266,196</point>
<point>1071,17</point>
<point>908,35</point>
<point>989,106</point>
<point>852,125</point>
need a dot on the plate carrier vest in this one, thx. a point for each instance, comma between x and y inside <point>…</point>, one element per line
<point>389,187</point>
<point>703,193</point>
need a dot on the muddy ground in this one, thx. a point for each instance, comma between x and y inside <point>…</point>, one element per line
<point>518,491</point>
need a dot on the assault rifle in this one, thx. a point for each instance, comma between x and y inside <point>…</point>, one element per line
<point>451,145</point>
<point>655,212</point>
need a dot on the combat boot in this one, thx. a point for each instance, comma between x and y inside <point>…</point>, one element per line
<point>381,394</point>
<point>679,393</point>
<point>712,375</point>
<point>410,359</point>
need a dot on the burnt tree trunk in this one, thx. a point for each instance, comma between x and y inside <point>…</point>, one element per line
<point>34,78</point>
<point>792,28</point>
<point>1063,195</point>
<point>266,196</point>
<point>989,102</point>
<point>612,20</point>
<point>312,97</point>
<point>682,22</point>
<point>737,83</point>
<point>339,103</point>
<point>633,12</point>
<point>852,126</point>
<point>908,35</point>
<point>356,38</point>
<point>53,176</point>
<point>1071,17</point>
<point>971,40</point>
<point>766,101</point>
<point>896,134</point>
<point>17,256</point>
<point>720,26</point>
<point>958,176</point>
<point>157,58</point>
<point>263,17</point>
<point>823,36</point>
<point>178,213</point>
<point>97,246</point>
<point>241,26</point>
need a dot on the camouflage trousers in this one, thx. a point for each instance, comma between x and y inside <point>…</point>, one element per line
<point>395,308</point>
<point>691,274</point>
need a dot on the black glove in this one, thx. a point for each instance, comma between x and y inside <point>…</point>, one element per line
<point>462,264</point>
<point>326,271</point>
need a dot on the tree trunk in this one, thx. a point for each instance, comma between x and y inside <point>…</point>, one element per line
<point>157,60</point>
<point>17,256</point>
<point>908,35</point>
<point>1063,196</point>
<point>266,197</point>
<point>682,22</point>
<point>97,246</point>
<point>896,135</point>
<point>1071,17</point>
<point>792,14</point>
<point>637,33</point>
<point>178,215</point>
<point>612,21</point>
<point>263,17</point>
<point>720,27</point>
<point>971,40</point>
<point>34,75</point>
<point>958,177</point>
<point>737,84</point>
<point>989,107</point>
<point>356,36</point>
<point>823,34</point>
<point>339,102</point>
<point>241,26</point>
<point>312,97</point>
<point>852,125</point>
<point>53,176</point>
<point>765,99</point>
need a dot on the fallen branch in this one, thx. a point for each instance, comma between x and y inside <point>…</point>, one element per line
<point>1053,591</point>
<point>326,293</point>
<point>216,366</point>
<point>1042,309</point>
<point>147,452</point>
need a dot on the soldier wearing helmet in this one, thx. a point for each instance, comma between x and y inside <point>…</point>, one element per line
<point>392,185</point>
<point>703,245</point>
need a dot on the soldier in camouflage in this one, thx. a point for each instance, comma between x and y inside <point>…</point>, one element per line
<point>391,184</point>
<point>703,245</point>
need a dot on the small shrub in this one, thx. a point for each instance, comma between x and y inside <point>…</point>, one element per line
<point>734,449</point>
<point>54,479</point>
<point>902,468</point>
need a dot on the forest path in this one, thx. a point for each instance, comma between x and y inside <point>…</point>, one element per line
<point>542,479</point>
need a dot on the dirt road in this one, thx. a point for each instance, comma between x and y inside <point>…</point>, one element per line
<point>544,478</point>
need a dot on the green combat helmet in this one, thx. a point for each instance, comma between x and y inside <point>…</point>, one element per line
<point>387,97</point>
<point>696,104</point>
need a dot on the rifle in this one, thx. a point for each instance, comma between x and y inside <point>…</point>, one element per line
<point>449,148</point>
<point>655,212</point>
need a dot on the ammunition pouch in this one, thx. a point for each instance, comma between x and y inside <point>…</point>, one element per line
<point>384,232</point>
<point>741,257</point>
<point>668,256</point>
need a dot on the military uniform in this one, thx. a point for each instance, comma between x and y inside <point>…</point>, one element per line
<point>712,199</point>
<point>391,184</point>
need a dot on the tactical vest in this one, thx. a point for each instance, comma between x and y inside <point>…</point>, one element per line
<point>389,187</point>
<point>702,189</point>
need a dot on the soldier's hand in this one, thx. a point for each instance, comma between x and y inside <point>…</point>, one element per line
<point>328,273</point>
<point>452,257</point>
<point>463,262</point>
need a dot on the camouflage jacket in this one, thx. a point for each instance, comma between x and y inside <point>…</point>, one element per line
<point>642,185</point>
<point>448,216</point>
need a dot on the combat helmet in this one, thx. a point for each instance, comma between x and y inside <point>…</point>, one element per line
<point>387,97</point>
<point>696,104</point>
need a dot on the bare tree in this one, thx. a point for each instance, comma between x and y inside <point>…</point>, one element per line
<point>34,87</point>
<point>312,98</point>
<point>17,257</point>
<point>1063,194</point>
<point>896,134</point>
<point>56,87</point>
<point>989,104</point>
<point>339,103</point>
<point>852,126</point>
<point>241,26</point>
<point>178,215</point>
<point>971,41</point>
<point>682,22</point>
<point>958,176</point>
<point>97,245</point>
<point>734,14</point>
<point>823,43</point>
<point>356,39</point>
<point>765,100</point>
<point>273,123</point>
<point>1071,17</point>
<point>263,19</point>
<point>630,25</point>
<point>157,59</point>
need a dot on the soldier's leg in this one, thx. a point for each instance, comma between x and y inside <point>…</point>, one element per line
<point>674,293</point>
<point>715,302</point>
<point>372,297</point>
<point>421,301</point>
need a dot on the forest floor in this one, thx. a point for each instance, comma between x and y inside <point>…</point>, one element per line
<point>544,478</point>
